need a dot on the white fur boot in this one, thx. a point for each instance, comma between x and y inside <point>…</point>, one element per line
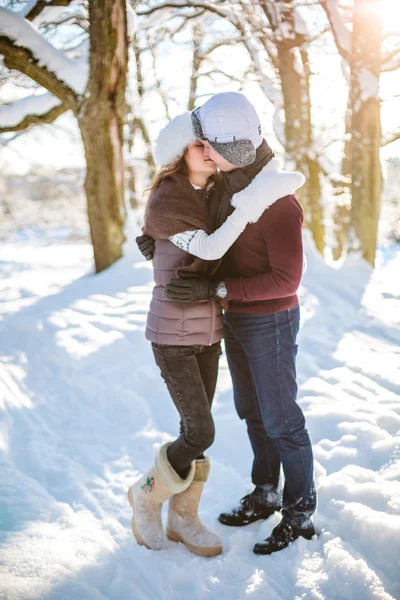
<point>147,496</point>
<point>184,524</point>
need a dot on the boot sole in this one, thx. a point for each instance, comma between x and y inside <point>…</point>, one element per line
<point>175,537</point>
<point>139,540</point>
<point>264,551</point>
<point>241,524</point>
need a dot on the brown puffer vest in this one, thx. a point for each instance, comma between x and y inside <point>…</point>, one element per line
<point>179,324</point>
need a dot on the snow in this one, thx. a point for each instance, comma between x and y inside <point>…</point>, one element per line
<point>30,5</point>
<point>132,22</point>
<point>298,62</point>
<point>342,32</point>
<point>369,85</point>
<point>154,19</point>
<point>286,30</point>
<point>15,113</point>
<point>26,35</point>
<point>300,23</point>
<point>84,409</point>
<point>48,14</point>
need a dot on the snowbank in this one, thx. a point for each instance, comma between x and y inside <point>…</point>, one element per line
<point>83,410</point>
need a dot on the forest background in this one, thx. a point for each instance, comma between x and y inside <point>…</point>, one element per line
<point>85,88</point>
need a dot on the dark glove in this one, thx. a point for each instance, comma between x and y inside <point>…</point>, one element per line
<point>146,246</point>
<point>191,290</point>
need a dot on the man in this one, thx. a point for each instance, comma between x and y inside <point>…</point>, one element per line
<point>258,281</point>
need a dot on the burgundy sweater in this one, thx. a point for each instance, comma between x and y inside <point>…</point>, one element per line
<point>263,268</point>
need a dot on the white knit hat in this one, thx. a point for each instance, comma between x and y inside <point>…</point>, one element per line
<point>229,116</point>
<point>173,139</point>
<point>231,125</point>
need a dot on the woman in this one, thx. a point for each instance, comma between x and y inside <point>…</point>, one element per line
<point>180,216</point>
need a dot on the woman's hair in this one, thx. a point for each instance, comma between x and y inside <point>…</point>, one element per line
<point>177,166</point>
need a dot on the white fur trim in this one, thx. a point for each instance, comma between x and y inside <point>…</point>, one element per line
<point>168,475</point>
<point>266,188</point>
<point>203,466</point>
<point>173,139</point>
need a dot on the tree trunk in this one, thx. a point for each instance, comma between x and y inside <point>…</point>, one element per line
<point>136,123</point>
<point>366,128</point>
<point>298,134</point>
<point>341,187</point>
<point>197,35</point>
<point>313,170</point>
<point>315,217</point>
<point>101,121</point>
<point>292,64</point>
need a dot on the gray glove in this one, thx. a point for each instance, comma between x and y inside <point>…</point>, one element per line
<point>146,246</point>
<point>191,290</point>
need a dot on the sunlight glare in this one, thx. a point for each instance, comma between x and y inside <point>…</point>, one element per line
<point>391,15</point>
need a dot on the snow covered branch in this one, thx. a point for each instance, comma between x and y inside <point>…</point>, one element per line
<point>25,50</point>
<point>35,7</point>
<point>131,21</point>
<point>33,110</point>
<point>391,60</point>
<point>220,44</point>
<point>22,60</point>
<point>341,34</point>
<point>390,139</point>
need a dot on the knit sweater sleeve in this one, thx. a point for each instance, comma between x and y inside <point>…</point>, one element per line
<point>281,228</point>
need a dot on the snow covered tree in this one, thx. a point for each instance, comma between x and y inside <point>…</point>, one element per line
<point>366,187</point>
<point>93,88</point>
<point>137,125</point>
<point>362,48</point>
<point>290,38</point>
<point>275,37</point>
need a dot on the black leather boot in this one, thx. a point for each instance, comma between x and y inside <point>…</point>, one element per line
<point>282,535</point>
<point>249,511</point>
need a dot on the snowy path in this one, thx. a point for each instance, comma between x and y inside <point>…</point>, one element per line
<point>83,407</point>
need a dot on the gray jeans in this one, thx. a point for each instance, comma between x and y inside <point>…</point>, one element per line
<point>190,373</point>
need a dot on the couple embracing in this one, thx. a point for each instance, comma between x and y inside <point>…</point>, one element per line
<point>224,230</point>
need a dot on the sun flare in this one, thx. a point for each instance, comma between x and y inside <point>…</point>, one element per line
<point>391,15</point>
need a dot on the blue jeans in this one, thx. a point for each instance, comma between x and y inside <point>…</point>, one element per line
<point>261,351</point>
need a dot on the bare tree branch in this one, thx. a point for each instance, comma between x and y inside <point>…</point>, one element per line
<point>140,124</point>
<point>186,19</point>
<point>163,94</point>
<point>209,7</point>
<point>219,72</point>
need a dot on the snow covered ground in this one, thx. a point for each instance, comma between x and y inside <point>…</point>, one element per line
<point>83,410</point>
